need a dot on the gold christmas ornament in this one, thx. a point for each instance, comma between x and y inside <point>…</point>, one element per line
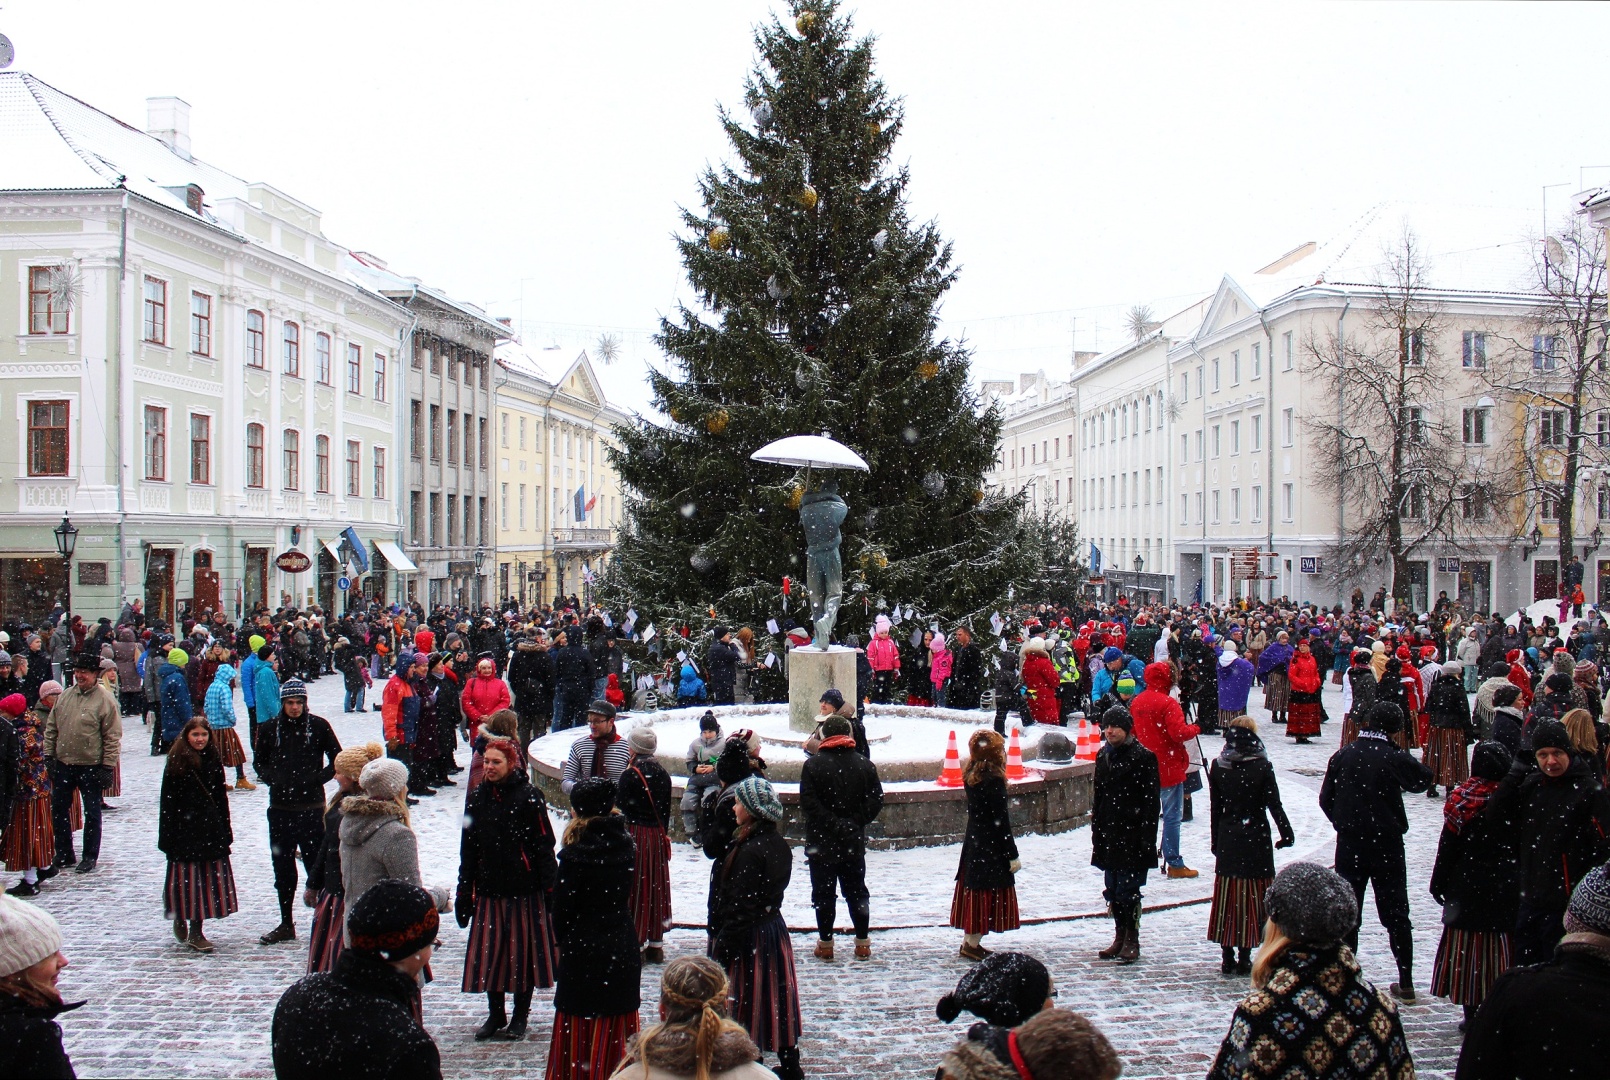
<point>717,422</point>
<point>795,494</point>
<point>927,369</point>
<point>806,22</point>
<point>873,130</point>
<point>806,197</point>
<point>978,496</point>
<point>720,238</point>
<point>676,414</point>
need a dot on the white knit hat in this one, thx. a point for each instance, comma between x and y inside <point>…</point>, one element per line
<point>28,934</point>
<point>383,779</point>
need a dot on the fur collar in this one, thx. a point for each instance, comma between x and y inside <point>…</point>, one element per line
<point>672,1050</point>
<point>363,806</point>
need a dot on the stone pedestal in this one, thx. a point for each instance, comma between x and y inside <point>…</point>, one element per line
<point>810,673</point>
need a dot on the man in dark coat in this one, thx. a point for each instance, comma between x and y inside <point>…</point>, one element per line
<point>574,673</point>
<point>722,664</point>
<point>357,1021</point>
<point>531,677</point>
<point>1546,1021</point>
<point>840,795</point>
<point>966,670</point>
<point>1123,828</point>
<point>1363,797</point>
<point>295,757</point>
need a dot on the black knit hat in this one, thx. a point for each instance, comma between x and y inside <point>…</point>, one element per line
<point>393,919</point>
<point>1498,670</point>
<point>1385,717</point>
<point>1558,682</point>
<point>1004,988</point>
<point>593,797</point>
<point>1312,903</point>
<point>1490,760</point>
<point>733,764</point>
<point>1551,734</point>
<point>708,722</point>
<point>1505,696</point>
<point>1117,716</point>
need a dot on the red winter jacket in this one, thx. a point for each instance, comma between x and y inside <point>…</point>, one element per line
<point>480,699</point>
<point>1160,725</point>
<point>1040,676</point>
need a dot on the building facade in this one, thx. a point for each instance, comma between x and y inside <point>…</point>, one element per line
<point>558,498</point>
<point>1036,454</point>
<point>198,383</point>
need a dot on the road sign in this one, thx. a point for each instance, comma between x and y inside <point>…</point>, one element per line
<point>343,583</point>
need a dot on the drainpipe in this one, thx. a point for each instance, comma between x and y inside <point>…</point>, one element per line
<point>1269,411</point>
<point>117,388</point>
<point>1206,576</point>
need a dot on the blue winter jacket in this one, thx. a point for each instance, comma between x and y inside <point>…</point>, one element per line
<point>267,692</point>
<point>174,694</point>
<point>248,679</point>
<point>691,687</point>
<point>221,699</point>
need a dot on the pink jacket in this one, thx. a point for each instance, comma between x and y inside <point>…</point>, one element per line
<point>883,654</point>
<point>940,671</point>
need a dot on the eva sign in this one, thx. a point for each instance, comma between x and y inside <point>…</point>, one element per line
<point>1308,564</point>
<point>293,562</point>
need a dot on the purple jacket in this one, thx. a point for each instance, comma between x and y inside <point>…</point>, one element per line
<point>1276,655</point>
<point>1235,683</point>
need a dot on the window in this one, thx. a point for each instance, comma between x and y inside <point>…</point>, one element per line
<point>1148,412</point>
<point>503,432</point>
<point>1235,504</point>
<point>1235,367</point>
<point>521,518</point>
<point>1148,487</point>
<point>354,368</point>
<point>1199,381</point>
<point>1185,448</point>
<point>1215,506</point>
<point>1056,449</point>
<point>47,311</point>
<point>321,464</point>
<point>1257,502</point>
<point>435,434</point>
<point>486,451</point>
<point>354,464</point>
<point>415,519</point>
<point>435,356</point>
<point>291,460</point>
<point>256,343</point>
<point>47,438</point>
<point>380,376</point>
<point>1414,424</point>
<point>1257,433</point>
<point>321,359</point>
<point>1476,501</point>
<point>1287,343</point>
<point>452,436</point>
<point>1199,504</point>
<point>156,442</point>
<point>1185,386</point>
<point>1549,504</point>
<point>503,494</point>
<point>1199,444</point>
<point>1545,352</point>
<point>452,519</point>
<point>435,519</point>
<point>1474,353</point>
<point>469,439</point>
<point>1414,503</point>
<point>1287,498</point>
<point>1602,436</point>
<point>254,455</point>
<point>1474,426</point>
<point>1185,509</point>
<point>1123,490</point>
<point>1235,436</point>
<point>1215,374</point>
<point>201,324</point>
<point>1414,348</point>
<point>379,453</point>
<point>419,362</point>
<point>156,311</point>
<point>1217,442</point>
<point>200,448</point>
<point>1287,427</point>
<point>1551,427</point>
<point>416,433</point>
<point>1257,362</point>
<point>293,350</point>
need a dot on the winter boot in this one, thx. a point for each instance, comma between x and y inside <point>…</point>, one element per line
<point>1227,960</point>
<point>973,947</point>
<point>285,931</point>
<point>824,949</point>
<point>1111,951</point>
<point>496,1018</point>
<point>1130,952</point>
<point>517,1023</point>
<point>1243,961</point>
<point>179,930</point>
<point>243,784</point>
<point>654,953</point>
<point>197,940</point>
<point>788,1064</point>
<point>1403,989</point>
<point>863,948</point>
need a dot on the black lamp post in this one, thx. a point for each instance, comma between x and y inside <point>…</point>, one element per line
<point>1140,562</point>
<point>66,542</point>
<point>480,568</point>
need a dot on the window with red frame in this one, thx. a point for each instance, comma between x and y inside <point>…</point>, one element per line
<point>47,314</point>
<point>256,340</point>
<point>47,438</point>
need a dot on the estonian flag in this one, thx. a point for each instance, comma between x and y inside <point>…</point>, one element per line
<point>581,503</point>
<point>1095,560</point>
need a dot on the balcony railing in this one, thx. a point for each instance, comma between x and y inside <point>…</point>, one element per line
<point>591,539</point>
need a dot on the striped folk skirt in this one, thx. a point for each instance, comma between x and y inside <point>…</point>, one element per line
<point>1445,756</point>
<point>30,841</point>
<point>115,788</point>
<point>75,812</point>
<point>1349,729</point>
<point>1468,963</point>
<point>588,1049</point>
<point>511,947</point>
<point>651,882</point>
<point>1276,692</point>
<point>984,911</point>
<point>325,939</point>
<point>1237,916</point>
<point>200,890</point>
<point>1303,715</point>
<point>1226,715</point>
<point>229,748</point>
<point>1408,738</point>
<point>765,992</point>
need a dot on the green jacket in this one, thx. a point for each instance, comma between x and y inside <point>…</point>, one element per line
<point>85,728</point>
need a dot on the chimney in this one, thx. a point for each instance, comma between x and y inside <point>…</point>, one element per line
<point>168,119</point>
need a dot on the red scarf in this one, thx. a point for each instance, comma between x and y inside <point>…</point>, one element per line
<point>839,742</point>
<point>599,761</point>
<point>1465,801</point>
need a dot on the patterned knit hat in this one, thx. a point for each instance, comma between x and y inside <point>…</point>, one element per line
<point>760,798</point>
<point>393,920</point>
<point>1589,911</point>
<point>293,688</point>
<point>1312,903</point>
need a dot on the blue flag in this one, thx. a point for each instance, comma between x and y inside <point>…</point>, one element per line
<point>581,503</point>
<point>355,545</point>
<point>1095,560</point>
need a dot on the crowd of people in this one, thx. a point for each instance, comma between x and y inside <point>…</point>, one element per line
<point>1501,719</point>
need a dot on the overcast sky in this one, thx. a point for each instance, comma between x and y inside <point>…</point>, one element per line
<point>1082,158</point>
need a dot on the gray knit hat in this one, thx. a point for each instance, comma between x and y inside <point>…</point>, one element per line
<point>384,779</point>
<point>642,739</point>
<point>760,798</point>
<point>1589,910</point>
<point>1312,904</point>
<point>28,934</point>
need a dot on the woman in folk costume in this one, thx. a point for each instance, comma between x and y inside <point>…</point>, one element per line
<point>1414,697</point>
<point>1245,795</point>
<point>644,795</point>
<point>326,938</point>
<point>30,842</point>
<point>1451,729</point>
<point>220,709</point>
<point>1273,671</point>
<point>194,832</point>
<point>985,900</point>
<point>1358,693</point>
<point>1303,709</point>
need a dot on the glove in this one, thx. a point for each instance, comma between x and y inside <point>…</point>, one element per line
<point>104,773</point>
<point>1015,865</point>
<point>393,745</point>
<point>463,915</point>
<point>464,907</point>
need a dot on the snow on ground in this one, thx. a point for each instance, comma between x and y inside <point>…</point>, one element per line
<point>155,1009</point>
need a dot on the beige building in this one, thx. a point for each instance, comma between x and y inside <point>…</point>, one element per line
<point>1036,451</point>
<point>558,499</point>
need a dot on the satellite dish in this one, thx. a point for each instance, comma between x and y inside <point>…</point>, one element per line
<point>8,52</point>
<point>1554,252</point>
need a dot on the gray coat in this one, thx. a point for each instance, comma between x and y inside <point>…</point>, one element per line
<point>376,844</point>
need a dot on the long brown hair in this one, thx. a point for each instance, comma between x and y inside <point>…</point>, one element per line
<point>578,825</point>
<point>29,991</point>
<point>1275,943</point>
<point>986,757</point>
<point>1579,725</point>
<point>183,757</point>
<point>693,992</point>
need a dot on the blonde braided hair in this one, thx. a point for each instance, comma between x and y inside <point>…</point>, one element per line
<point>693,992</point>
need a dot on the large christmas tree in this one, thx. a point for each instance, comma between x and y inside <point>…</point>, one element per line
<point>821,298</point>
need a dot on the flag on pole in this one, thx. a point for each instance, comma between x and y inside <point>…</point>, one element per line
<point>581,504</point>
<point>1095,560</point>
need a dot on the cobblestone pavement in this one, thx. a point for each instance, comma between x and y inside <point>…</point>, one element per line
<point>155,1009</point>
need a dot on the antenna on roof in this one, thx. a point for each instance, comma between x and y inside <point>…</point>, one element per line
<point>8,52</point>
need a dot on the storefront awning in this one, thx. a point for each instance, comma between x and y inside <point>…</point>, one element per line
<point>394,555</point>
<point>334,548</point>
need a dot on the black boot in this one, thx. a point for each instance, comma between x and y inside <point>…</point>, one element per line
<point>1227,960</point>
<point>1243,961</point>
<point>788,1064</point>
<point>1185,815</point>
<point>522,1011</point>
<point>1130,952</point>
<point>496,1018</point>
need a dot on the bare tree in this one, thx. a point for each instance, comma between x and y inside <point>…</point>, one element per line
<point>1557,373</point>
<point>1388,453</point>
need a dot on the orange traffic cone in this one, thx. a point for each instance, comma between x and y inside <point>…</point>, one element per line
<point>1014,758</point>
<point>1089,742</point>
<point>951,774</point>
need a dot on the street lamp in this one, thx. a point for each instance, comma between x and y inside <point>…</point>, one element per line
<point>480,568</point>
<point>1597,537</point>
<point>1140,561</point>
<point>1536,543</point>
<point>66,542</point>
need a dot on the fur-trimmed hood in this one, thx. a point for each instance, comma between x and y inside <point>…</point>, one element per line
<point>362,817</point>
